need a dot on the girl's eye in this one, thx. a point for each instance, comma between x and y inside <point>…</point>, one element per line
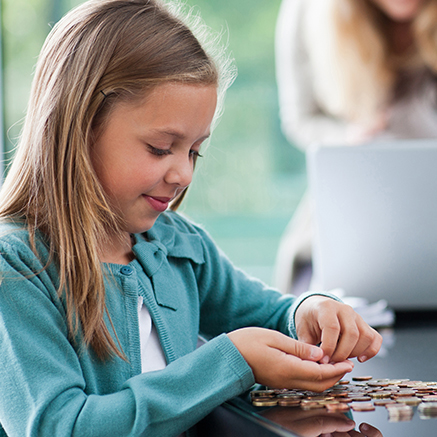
<point>159,152</point>
<point>195,154</point>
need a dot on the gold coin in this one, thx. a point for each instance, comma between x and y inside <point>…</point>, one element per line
<point>263,393</point>
<point>380,395</point>
<point>265,403</point>
<point>262,398</point>
<point>362,378</point>
<point>288,402</point>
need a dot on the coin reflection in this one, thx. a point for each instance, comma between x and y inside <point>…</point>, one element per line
<point>313,423</point>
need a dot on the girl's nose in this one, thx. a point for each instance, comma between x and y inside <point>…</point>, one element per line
<point>180,173</point>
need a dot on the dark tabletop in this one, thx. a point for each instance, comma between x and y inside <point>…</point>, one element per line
<point>409,351</point>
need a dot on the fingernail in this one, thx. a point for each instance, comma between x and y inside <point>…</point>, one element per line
<point>363,358</point>
<point>325,359</point>
<point>315,353</point>
<point>364,427</point>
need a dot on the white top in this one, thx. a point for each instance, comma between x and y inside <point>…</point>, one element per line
<point>152,355</point>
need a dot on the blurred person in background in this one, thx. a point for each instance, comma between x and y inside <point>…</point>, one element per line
<point>350,71</point>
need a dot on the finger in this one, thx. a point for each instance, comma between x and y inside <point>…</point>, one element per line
<point>299,349</point>
<point>329,338</point>
<point>365,346</point>
<point>317,377</point>
<point>369,430</point>
<point>341,434</point>
<point>371,350</point>
<point>323,424</point>
<point>350,324</point>
<point>314,371</point>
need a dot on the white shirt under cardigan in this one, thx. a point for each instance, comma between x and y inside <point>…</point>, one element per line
<point>152,355</point>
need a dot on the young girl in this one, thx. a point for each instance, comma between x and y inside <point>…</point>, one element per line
<point>103,291</point>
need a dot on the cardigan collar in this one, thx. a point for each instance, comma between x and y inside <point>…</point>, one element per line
<point>154,249</point>
<point>163,241</point>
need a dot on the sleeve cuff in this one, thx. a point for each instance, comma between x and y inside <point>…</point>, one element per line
<point>297,303</point>
<point>236,362</point>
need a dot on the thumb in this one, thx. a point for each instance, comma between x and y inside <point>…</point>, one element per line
<point>302,350</point>
<point>307,351</point>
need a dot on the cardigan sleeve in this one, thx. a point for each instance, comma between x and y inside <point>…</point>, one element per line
<point>47,381</point>
<point>45,389</point>
<point>302,119</point>
<point>230,299</point>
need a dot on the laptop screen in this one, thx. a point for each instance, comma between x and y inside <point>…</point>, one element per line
<point>375,221</point>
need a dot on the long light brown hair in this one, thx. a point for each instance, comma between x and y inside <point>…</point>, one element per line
<point>101,53</point>
<point>367,61</point>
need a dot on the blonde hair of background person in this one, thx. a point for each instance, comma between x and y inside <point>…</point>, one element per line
<point>349,71</point>
<point>339,64</point>
<point>372,49</point>
<point>123,97</point>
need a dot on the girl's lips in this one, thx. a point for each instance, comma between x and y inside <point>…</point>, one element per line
<point>159,204</point>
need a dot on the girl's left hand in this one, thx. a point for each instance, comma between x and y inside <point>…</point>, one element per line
<point>341,332</point>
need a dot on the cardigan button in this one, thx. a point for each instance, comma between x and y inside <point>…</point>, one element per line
<point>126,270</point>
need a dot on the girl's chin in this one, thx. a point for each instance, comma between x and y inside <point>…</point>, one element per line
<point>143,227</point>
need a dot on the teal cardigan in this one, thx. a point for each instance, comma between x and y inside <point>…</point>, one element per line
<point>52,386</point>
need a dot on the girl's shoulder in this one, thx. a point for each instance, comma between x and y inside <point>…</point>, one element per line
<point>15,237</point>
<point>13,232</point>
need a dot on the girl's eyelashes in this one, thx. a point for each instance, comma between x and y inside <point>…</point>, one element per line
<point>164,152</point>
<point>195,154</point>
<point>159,152</point>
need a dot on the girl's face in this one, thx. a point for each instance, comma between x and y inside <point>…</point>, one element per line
<point>400,10</point>
<point>144,155</point>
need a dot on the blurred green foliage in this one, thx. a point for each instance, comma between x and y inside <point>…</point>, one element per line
<point>250,180</point>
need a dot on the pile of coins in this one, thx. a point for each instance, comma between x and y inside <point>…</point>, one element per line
<point>398,396</point>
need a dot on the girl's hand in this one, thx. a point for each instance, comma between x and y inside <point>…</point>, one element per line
<point>341,332</point>
<point>279,361</point>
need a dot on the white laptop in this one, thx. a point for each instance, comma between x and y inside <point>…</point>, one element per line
<point>375,221</point>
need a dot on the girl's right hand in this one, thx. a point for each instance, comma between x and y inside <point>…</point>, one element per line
<point>279,361</point>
